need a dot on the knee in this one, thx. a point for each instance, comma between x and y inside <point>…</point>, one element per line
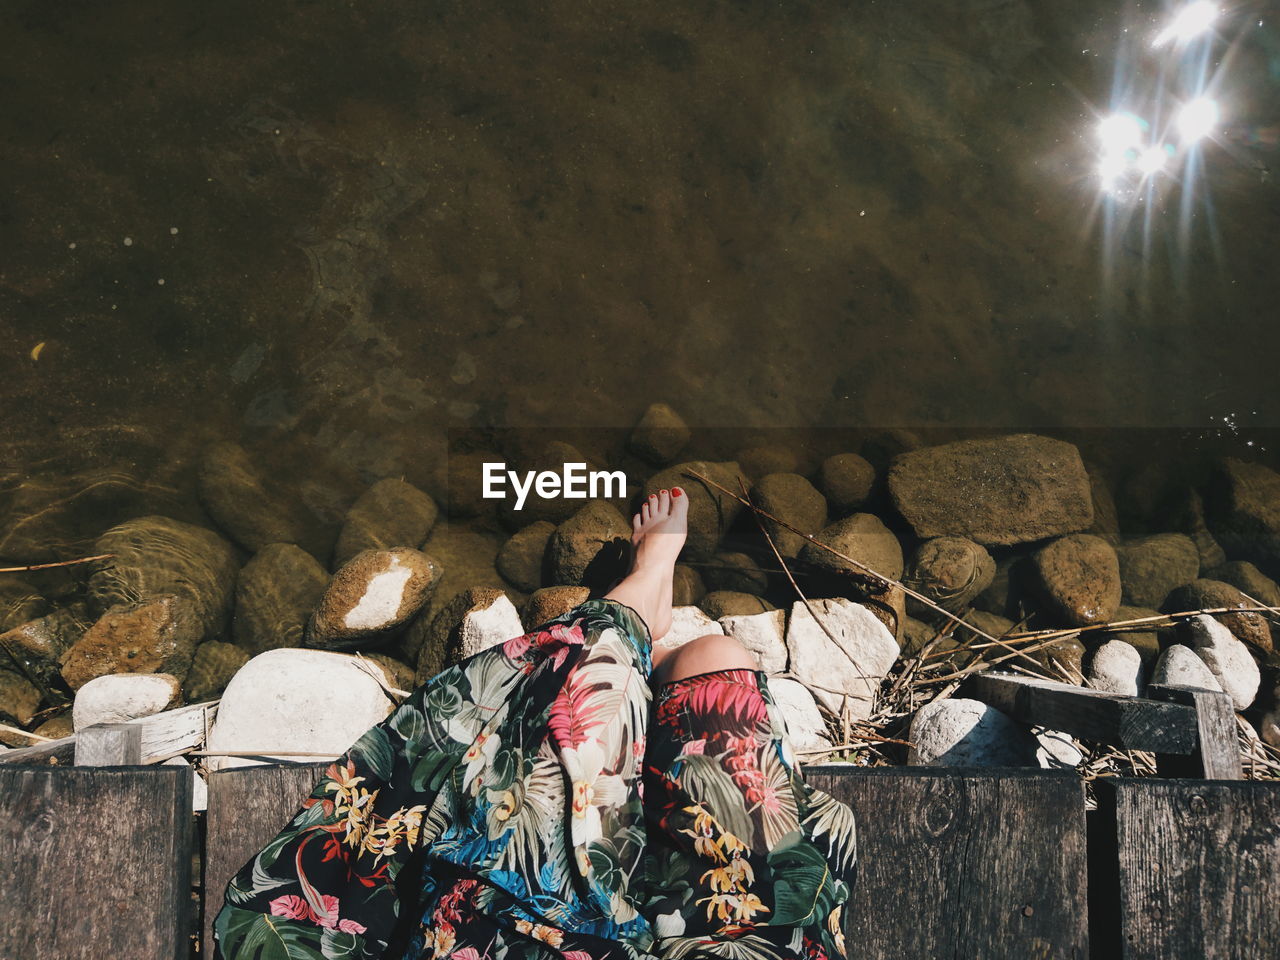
<point>714,651</point>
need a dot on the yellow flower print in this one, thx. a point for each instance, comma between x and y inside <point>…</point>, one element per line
<point>836,928</point>
<point>542,932</point>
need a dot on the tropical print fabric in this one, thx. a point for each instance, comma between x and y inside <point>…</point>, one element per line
<point>535,801</point>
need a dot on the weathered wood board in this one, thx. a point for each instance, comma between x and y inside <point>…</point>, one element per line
<point>965,862</point>
<point>1199,868</point>
<point>95,862</point>
<point>248,806</point>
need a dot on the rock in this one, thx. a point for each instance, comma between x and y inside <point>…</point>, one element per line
<point>854,664</point>
<point>1210,594</point>
<point>846,480</point>
<point>156,636</point>
<point>1150,567</point>
<point>1189,518</point>
<point>485,627</point>
<point>1242,509</point>
<point>917,633</point>
<point>19,603</point>
<point>762,634</point>
<point>373,594</point>
<point>278,590</point>
<point>1116,667</point>
<point>155,556</point>
<point>1106,519</point>
<point>996,491</point>
<point>1179,666</point>
<point>1226,657</point>
<point>214,665</point>
<point>520,560</point>
<point>401,673</point>
<point>1079,577</point>
<point>711,512</point>
<point>687,588</point>
<point>793,499</point>
<point>950,571</point>
<point>551,602</point>
<point>1249,580</point>
<point>735,572</point>
<point>41,644</point>
<point>391,513</point>
<point>998,597</point>
<point>199,789</point>
<point>800,715</point>
<point>467,558</point>
<point>660,435</point>
<point>967,733</point>
<point>687,623</point>
<point>57,727</point>
<point>862,537</point>
<point>766,458</point>
<point>590,548</point>
<point>291,700</point>
<point>437,642</point>
<point>552,456</point>
<point>1056,750</point>
<point>730,603</point>
<point>1146,642</point>
<point>120,697</point>
<point>989,623</point>
<point>466,485</point>
<point>19,701</point>
<point>1063,659</point>
<point>237,497</point>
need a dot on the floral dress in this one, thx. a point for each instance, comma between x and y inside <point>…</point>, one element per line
<point>537,800</point>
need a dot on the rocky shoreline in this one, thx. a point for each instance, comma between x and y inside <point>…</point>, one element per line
<point>307,640</point>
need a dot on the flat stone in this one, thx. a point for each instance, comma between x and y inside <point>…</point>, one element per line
<point>800,715</point>
<point>956,732</point>
<point>763,635</point>
<point>853,664</point>
<point>996,491</point>
<point>124,696</point>
<point>311,701</point>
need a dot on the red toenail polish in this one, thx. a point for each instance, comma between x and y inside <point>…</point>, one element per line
<point>662,491</point>
<point>675,493</point>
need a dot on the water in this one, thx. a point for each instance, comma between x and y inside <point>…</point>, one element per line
<point>335,233</point>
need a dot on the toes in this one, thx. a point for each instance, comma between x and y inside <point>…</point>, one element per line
<point>635,523</point>
<point>664,502</point>
<point>644,513</point>
<point>679,499</point>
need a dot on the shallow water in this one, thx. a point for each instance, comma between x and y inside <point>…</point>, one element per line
<point>335,233</point>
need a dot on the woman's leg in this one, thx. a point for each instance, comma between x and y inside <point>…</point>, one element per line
<point>657,536</point>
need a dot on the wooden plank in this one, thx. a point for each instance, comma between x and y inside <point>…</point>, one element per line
<point>1130,722</point>
<point>965,863</point>
<point>95,862</point>
<point>1217,753</point>
<point>1199,868</point>
<point>248,807</point>
<point>109,745</point>
<point>163,734</point>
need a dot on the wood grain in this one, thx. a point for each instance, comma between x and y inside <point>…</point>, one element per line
<point>95,862</point>
<point>248,807</point>
<point>970,863</point>
<point>1199,868</point>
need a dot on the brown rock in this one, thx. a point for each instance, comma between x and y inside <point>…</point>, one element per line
<point>1206,594</point>
<point>863,537</point>
<point>391,513</point>
<point>155,636</point>
<point>1243,510</point>
<point>1152,566</point>
<point>551,602</point>
<point>467,558</point>
<point>846,480</point>
<point>1079,579</point>
<point>19,603</point>
<point>400,674</point>
<point>370,597</point>
<point>996,491</point>
<point>711,512</point>
<point>278,590</point>
<point>521,559</point>
<point>214,665</point>
<point>950,571</point>
<point>660,435</point>
<point>687,587</point>
<point>40,644</point>
<point>590,548</point>
<point>728,603</point>
<point>241,502</point>
<point>439,643</point>
<point>793,499</point>
<point>734,571</point>
<point>19,701</point>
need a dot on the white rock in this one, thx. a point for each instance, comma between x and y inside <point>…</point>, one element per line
<point>855,664</point>
<point>1116,668</point>
<point>762,635</point>
<point>311,701</point>
<point>1056,750</point>
<point>199,790</point>
<point>118,697</point>
<point>1179,666</point>
<point>1227,658</point>
<point>687,623</point>
<point>799,713</point>
<point>961,733</point>
<point>490,626</point>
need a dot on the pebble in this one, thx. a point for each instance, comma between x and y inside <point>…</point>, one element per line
<point>124,696</point>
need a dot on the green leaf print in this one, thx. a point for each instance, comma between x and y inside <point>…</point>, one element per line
<point>803,888</point>
<point>373,750</point>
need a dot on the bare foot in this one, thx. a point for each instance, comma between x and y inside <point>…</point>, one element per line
<point>658,533</point>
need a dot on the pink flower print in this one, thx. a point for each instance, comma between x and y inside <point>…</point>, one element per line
<point>698,747</point>
<point>330,917</point>
<point>516,647</point>
<point>576,955</point>
<point>350,926</point>
<point>290,907</point>
<point>470,953</point>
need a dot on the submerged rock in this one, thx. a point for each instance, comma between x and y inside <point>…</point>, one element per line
<point>1243,511</point>
<point>862,537</point>
<point>19,701</point>
<point>436,642</point>
<point>551,602</point>
<point>734,572</point>
<point>214,665</point>
<point>687,587</point>
<point>521,559</point>
<point>20,603</point>
<point>846,480</point>
<point>729,603</point>
<point>950,571</point>
<point>1151,567</point>
<point>235,494</point>
<point>996,491</point>
<point>40,644</point>
<point>793,499</point>
<point>1079,577</point>
<point>391,513</point>
<point>1203,594</point>
<point>589,549</point>
<point>278,590</point>
<point>660,435</point>
<point>156,636</point>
